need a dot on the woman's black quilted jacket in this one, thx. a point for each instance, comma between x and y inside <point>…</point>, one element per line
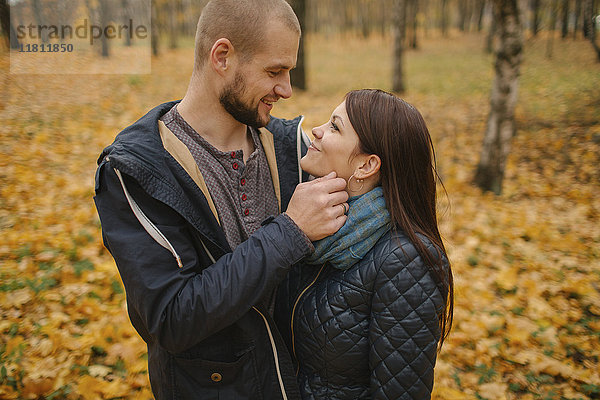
<point>369,332</point>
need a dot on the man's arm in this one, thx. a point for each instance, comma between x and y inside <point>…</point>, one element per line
<point>179,307</point>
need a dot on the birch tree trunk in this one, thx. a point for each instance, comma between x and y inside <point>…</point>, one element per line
<point>399,32</point>
<point>589,14</point>
<point>298,74</point>
<point>501,121</point>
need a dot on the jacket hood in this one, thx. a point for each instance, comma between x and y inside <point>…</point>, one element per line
<point>140,143</point>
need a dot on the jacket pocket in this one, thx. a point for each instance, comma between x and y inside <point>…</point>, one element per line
<point>198,378</point>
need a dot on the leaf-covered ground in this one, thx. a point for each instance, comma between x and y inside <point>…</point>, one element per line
<point>526,264</point>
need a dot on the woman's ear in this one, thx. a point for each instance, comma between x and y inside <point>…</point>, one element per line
<point>220,55</point>
<point>370,166</point>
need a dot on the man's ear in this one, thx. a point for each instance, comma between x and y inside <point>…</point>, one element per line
<point>370,166</point>
<point>221,55</point>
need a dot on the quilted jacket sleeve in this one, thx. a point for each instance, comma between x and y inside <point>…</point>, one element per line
<point>404,330</point>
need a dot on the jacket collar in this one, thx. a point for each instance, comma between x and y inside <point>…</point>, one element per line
<point>180,152</point>
<point>166,170</point>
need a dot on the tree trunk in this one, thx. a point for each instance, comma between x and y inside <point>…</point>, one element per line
<point>172,18</point>
<point>125,13</point>
<point>414,11</point>
<point>535,17</point>
<point>587,18</point>
<point>462,15</point>
<point>154,37</point>
<point>565,18</point>
<point>104,20</point>
<point>444,18</point>
<point>480,13</point>
<point>383,13</point>
<point>589,14</point>
<point>8,29</point>
<point>577,26</point>
<point>298,74</point>
<point>492,33</point>
<point>399,32</point>
<point>364,18</point>
<point>552,28</point>
<point>38,14</point>
<point>501,122</point>
<point>347,17</point>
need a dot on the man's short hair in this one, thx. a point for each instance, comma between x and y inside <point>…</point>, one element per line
<point>243,22</point>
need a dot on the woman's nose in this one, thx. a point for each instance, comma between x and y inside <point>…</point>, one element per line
<point>318,133</point>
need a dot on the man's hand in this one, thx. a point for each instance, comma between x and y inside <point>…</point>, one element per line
<point>318,207</point>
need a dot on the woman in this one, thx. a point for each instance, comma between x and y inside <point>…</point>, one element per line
<point>364,315</point>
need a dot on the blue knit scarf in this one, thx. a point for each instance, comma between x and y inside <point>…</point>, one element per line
<point>368,220</point>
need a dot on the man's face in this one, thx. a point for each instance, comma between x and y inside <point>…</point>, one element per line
<point>264,79</point>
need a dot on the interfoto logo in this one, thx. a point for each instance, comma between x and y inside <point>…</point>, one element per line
<point>80,37</point>
<point>84,30</point>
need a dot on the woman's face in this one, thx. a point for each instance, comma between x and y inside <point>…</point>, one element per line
<point>333,147</point>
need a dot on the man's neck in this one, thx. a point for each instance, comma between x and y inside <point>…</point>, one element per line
<point>203,112</point>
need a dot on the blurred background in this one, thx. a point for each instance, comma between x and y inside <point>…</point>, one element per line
<point>523,234</point>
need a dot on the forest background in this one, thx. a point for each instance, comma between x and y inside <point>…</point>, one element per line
<point>526,261</point>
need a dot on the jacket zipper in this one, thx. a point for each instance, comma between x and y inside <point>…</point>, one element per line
<point>293,315</point>
<point>146,223</point>
<point>274,348</point>
<point>300,137</point>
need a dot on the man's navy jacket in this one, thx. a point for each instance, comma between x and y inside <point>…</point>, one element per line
<point>191,297</point>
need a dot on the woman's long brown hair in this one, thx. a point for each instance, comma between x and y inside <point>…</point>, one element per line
<point>395,131</point>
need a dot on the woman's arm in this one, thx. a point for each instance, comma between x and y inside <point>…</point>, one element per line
<point>404,330</point>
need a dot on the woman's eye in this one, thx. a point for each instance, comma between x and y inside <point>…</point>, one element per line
<point>334,126</point>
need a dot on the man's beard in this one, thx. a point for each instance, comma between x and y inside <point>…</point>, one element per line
<point>231,100</point>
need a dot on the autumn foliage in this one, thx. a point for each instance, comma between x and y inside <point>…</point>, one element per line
<point>526,263</point>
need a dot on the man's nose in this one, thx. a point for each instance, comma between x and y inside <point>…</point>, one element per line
<point>284,88</point>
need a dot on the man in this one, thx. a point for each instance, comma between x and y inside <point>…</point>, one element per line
<point>182,195</point>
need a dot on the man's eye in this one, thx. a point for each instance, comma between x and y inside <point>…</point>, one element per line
<point>272,74</point>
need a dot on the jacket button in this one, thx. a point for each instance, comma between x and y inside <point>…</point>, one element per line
<point>216,377</point>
